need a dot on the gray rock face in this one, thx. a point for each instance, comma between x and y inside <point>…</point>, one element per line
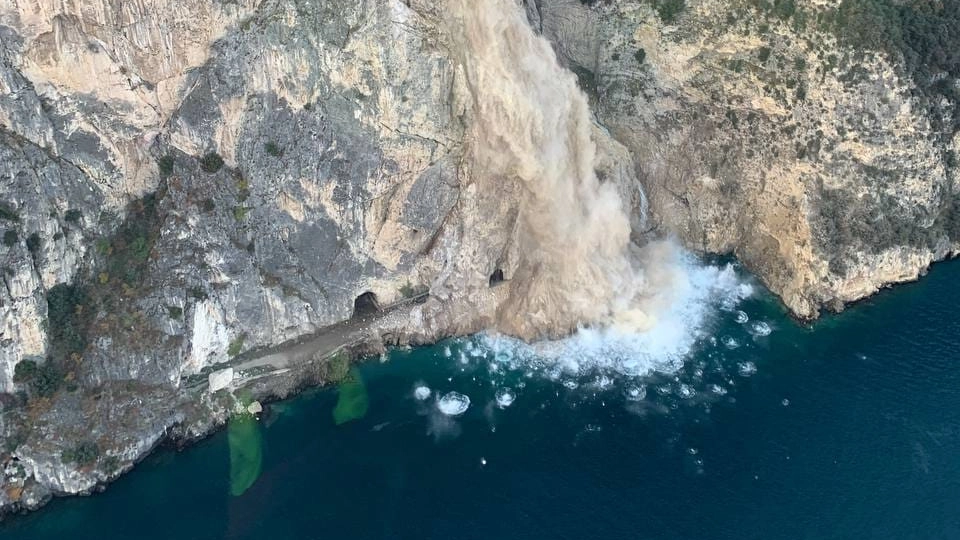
<point>216,177</point>
<point>50,216</point>
<point>763,134</point>
<point>331,143</point>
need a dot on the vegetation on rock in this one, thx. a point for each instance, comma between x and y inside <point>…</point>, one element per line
<point>34,242</point>
<point>165,165</point>
<point>68,312</point>
<point>83,453</point>
<point>211,162</point>
<point>73,215</point>
<point>8,213</point>
<point>236,346</point>
<point>42,379</point>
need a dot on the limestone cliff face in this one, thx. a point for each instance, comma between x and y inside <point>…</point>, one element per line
<point>766,135</point>
<point>181,182</point>
<point>339,168</point>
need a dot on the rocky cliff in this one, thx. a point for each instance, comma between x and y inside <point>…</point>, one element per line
<point>814,140</point>
<point>184,182</point>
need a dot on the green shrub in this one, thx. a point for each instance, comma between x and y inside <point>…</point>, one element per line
<point>10,238</point>
<point>102,245</point>
<point>83,453</point>
<point>34,243</point>
<point>174,312</point>
<point>669,10</point>
<point>409,291</point>
<point>128,250</point>
<point>24,371</point>
<point>47,381</point>
<point>240,212</point>
<point>925,35</point>
<point>140,249</point>
<point>42,379</point>
<point>243,188</point>
<point>8,213</point>
<point>640,55</point>
<point>111,463</point>
<point>272,149</point>
<point>67,308</point>
<point>211,162</point>
<point>73,215</point>
<point>236,345</point>
<point>784,9</point>
<point>197,293</point>
<point>165,165</point>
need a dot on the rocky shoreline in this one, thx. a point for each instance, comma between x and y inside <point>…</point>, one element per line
<point>190,414</point>
<point>177,417</point>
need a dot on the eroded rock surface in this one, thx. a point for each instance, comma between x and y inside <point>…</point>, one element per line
<point>760,129</point>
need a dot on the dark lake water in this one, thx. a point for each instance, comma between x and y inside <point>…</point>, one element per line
<point>849,429</point>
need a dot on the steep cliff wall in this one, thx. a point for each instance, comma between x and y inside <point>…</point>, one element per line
<point>182,182</point>
<point>797,135</point>
<point>338,169</point>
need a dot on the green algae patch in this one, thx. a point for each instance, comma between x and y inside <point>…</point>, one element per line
<point>352,400</point>
<point>246,453</point>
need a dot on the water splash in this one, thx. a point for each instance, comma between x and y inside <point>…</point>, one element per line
<point>675,361</point>
<point>453,403</point>
<point>624,348</point>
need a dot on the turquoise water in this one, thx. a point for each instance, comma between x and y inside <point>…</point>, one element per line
<point>849,429</point>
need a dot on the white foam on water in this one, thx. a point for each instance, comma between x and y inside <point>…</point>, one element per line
<point>603,382</point>
<point>635,393</point>
<point>760,328</point>
<point>746,369</point>
<point>627,348</point>
<point>422,392</point>
<point>505,397</point>
<point>453,404</point>
<point>730,342</point>
<point>718,390</point>
<point>674,359</point>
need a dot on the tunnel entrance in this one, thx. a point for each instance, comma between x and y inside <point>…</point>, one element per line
<point>496,277</point>
<point>366,304</point>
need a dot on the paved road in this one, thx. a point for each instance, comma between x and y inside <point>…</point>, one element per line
<point>319,346</point>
